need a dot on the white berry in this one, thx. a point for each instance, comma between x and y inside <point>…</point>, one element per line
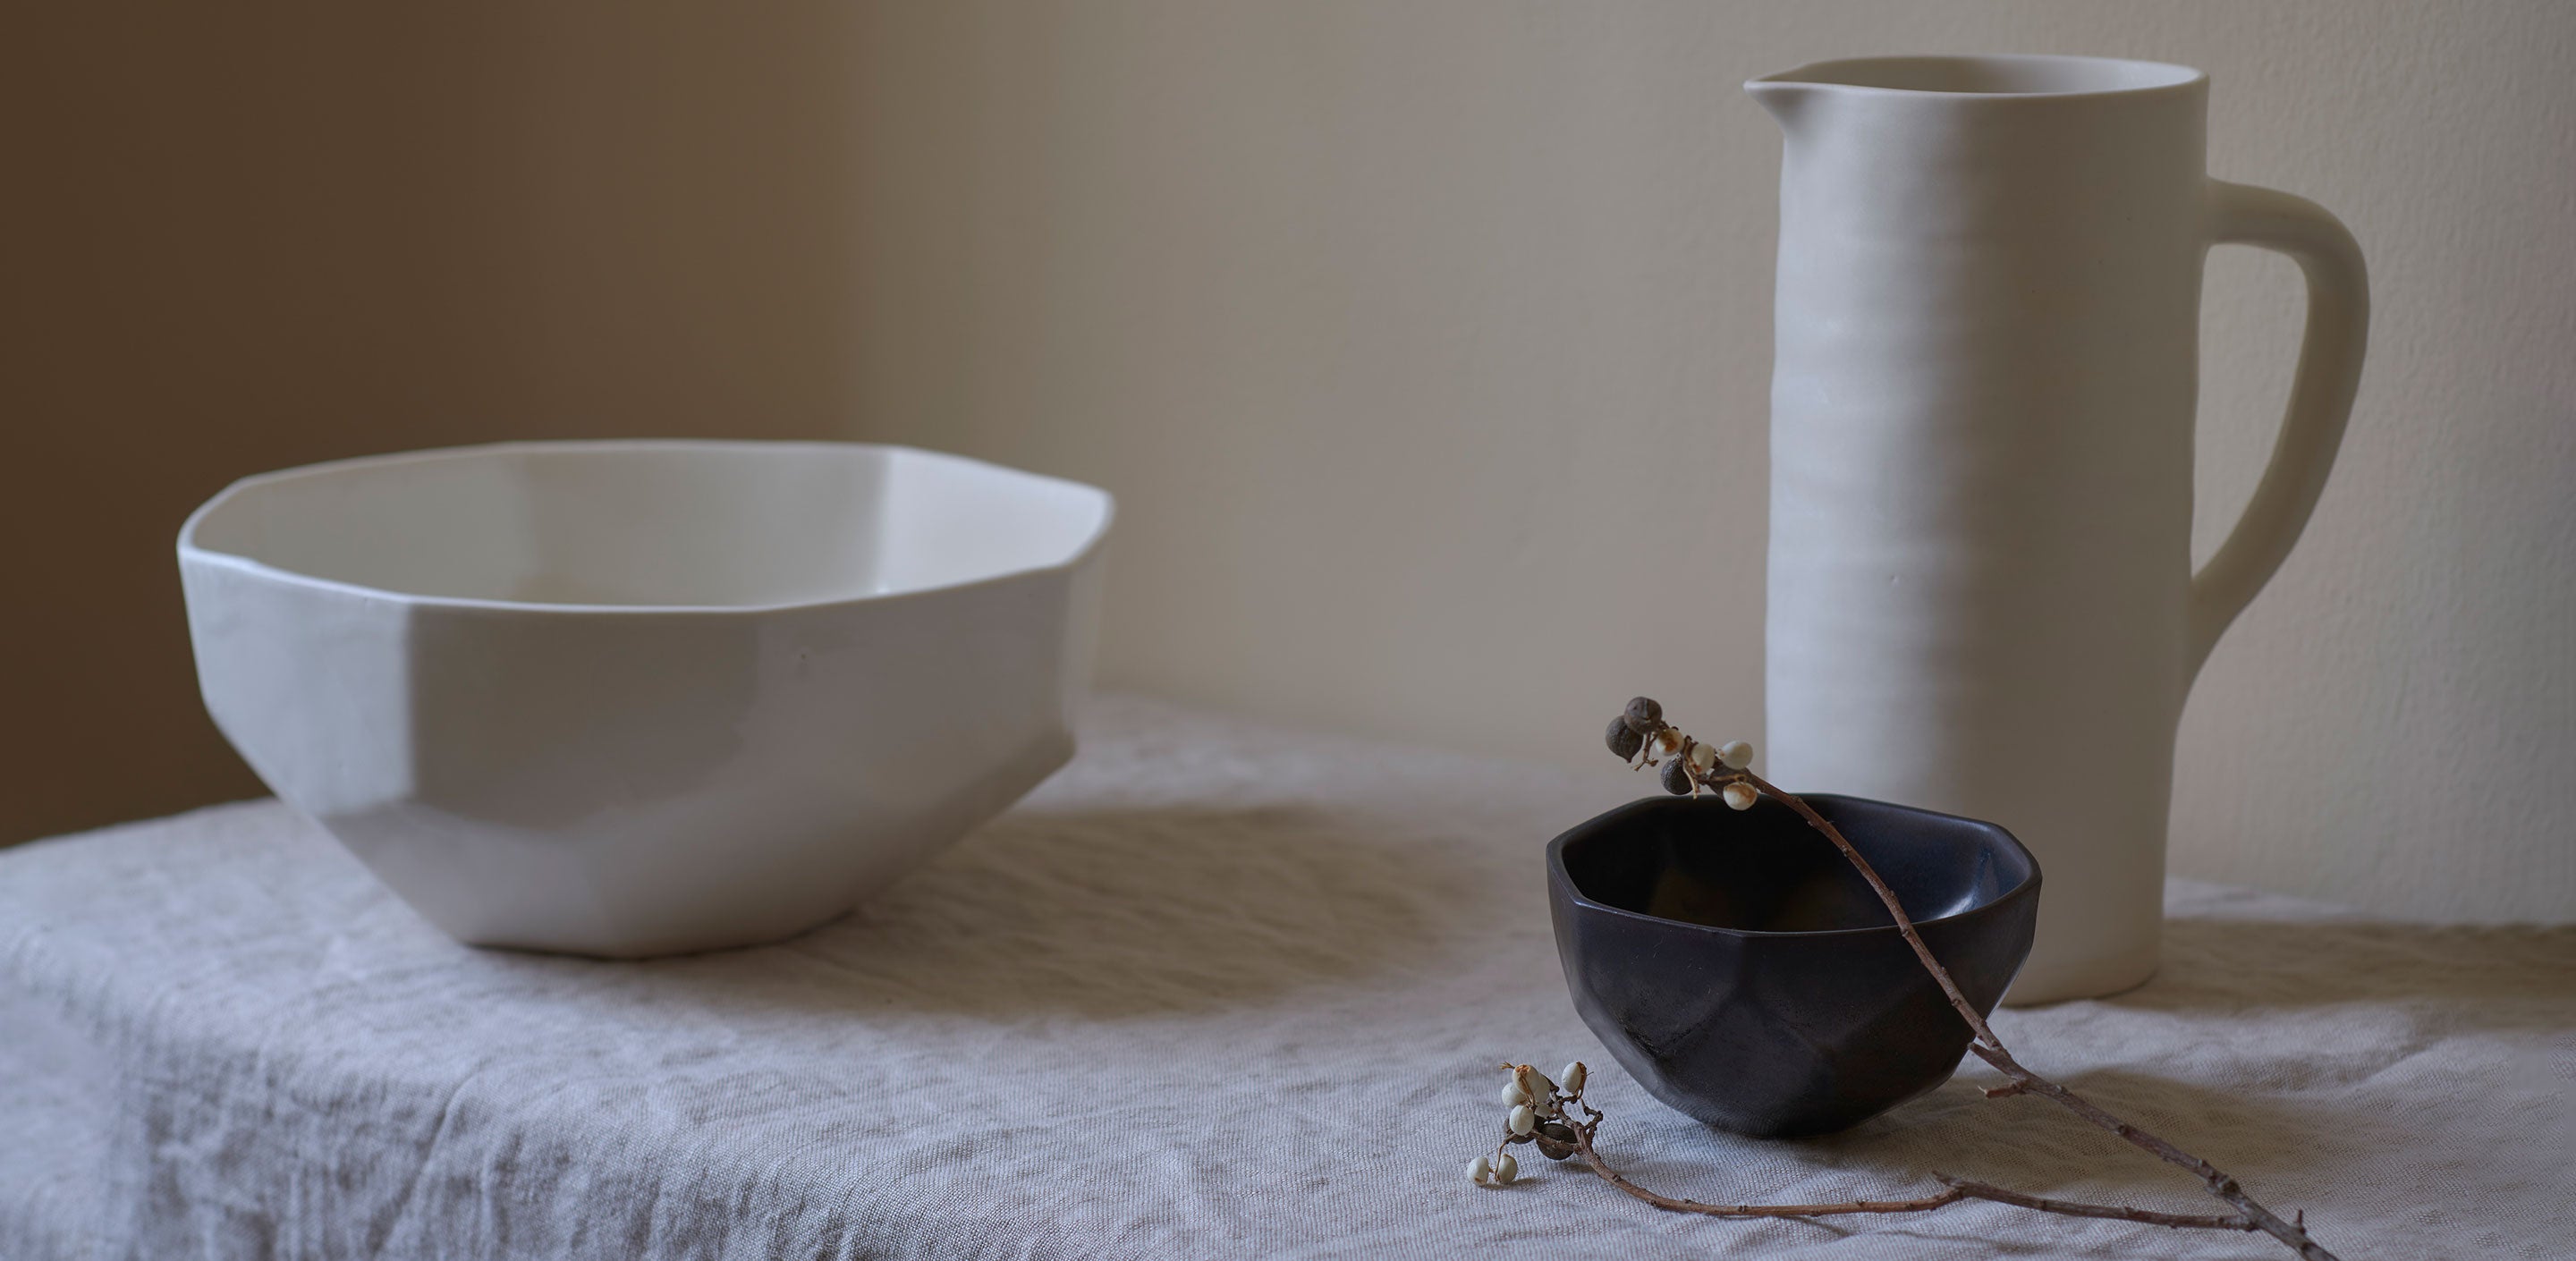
<point>1741,796</point>
<point>1737,755</point>
<point>1667,742</point>
<point>1572,1078</point>
<point>1480,1168</point>
<point>1702,758</point>
<point>1513,1095</point>
<point>1531,1081</point>
<point>1506,1169</point>
<point>1523,1120</point>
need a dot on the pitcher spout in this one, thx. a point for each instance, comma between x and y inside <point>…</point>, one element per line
<point>1784,95</point>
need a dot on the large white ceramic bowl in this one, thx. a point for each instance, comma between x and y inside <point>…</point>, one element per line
<point>632,698</point>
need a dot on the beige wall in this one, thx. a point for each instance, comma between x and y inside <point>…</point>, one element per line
<point>1426,342</point>
<point>241,236</point>
<point>1427,345</point>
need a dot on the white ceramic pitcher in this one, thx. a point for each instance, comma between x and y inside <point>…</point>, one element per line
<point>1981,596</point>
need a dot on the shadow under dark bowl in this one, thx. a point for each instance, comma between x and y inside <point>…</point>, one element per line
<point>1741,970</point>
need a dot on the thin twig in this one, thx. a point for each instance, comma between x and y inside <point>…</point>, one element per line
<point>1904,923</point>
<point>1991,1049</point>
<point>2293,1233</point>
<point>1955,1190</point>
<point>1592,1159</point>
<point>2250,1215</point>
<point>2078,1208</point>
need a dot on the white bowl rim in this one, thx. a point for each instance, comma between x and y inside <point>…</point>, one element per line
<point>191,552</point>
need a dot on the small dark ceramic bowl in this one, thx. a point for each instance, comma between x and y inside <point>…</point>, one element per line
<point>1736,965</point>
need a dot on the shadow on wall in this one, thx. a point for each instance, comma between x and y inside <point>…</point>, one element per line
<point>262,235</point>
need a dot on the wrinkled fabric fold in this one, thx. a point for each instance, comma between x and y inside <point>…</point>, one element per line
<point>1215,990</point>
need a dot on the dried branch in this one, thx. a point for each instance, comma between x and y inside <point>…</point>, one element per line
<point>2077,1208</point>
<point>1567,1136</point>
<point>1991,1049</point>
<point>1640,734</point>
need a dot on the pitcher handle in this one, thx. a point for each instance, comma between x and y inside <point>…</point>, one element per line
<point>2320,398</point>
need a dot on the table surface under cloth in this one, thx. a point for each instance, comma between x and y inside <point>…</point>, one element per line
<point>1217,990</point>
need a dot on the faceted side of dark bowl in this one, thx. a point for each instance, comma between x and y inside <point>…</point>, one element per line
<point>1779,1034</point>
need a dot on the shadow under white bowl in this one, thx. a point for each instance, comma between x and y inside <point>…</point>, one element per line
<point>641,697</point>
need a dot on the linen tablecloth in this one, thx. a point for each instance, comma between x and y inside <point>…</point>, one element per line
<point>1216,990</point>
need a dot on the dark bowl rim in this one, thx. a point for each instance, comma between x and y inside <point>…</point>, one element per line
<point>1559,877</point>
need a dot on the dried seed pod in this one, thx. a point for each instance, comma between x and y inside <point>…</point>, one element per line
<point>1666,743</point>
<point>1556,1140</point>
<point>1623,739</point>
<point>1677,777</point>
<point>1643,714</point>
<point>1741,795</point>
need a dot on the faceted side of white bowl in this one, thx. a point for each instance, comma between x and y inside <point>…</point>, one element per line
<point>630,782</point>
